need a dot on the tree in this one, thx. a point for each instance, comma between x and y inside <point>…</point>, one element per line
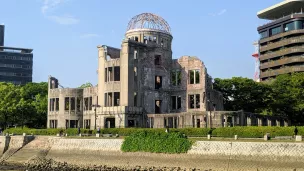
<point>244,94</point>
<point>289,96</point>
<point>86,85</point>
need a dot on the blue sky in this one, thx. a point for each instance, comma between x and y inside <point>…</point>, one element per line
<point>65,33</point>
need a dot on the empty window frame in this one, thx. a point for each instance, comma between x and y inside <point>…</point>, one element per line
<point>86,104</point>
<point>135,99</point>
<point>136,39</point>
<point>117,73</point>
<point>176,77</point>
<point>90,103</point>
<point>67,103</point>
<point>135,74</point>
<point>78,104</point>
<point>154,39</point>
<point>158,82</point>
<point>116,98</point>
<point>176,102</point>
<point>57,104</point>
<point>157,60</point>
<point>108,99</point>
<point>145,40</point>
<point>135,54</point>
<point>52,104</point>
<point>158,106</point>
<point>194,76</point>
<point>194,101</point>
<point>72,103</point>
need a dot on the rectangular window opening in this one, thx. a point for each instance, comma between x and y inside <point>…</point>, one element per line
<point>116,98</point>
<point>78,104</point>
<point>72,103</point>
<point>57,104</point>
<point>90,103</point>
<point>157,106</point>
<point>135,99</point>
<point>157,60</point>
<point>106,74</point>
<point>135,54</point>
<point>173,102</point>
<point>117,73</point>
<point>86,104</point>
<point>158,82</point>
<point>67,103</point>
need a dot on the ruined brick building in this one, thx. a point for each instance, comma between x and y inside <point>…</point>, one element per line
<point>140,85</point>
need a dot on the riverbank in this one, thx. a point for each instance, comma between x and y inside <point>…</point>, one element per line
<point>203,155</point>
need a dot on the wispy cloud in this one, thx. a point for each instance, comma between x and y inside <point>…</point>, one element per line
<point>89,35</point>
<point>223,11</point>
<point>50,5</point>
<point>64,20</point>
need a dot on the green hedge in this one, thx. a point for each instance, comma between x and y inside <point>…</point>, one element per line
<point>156,142</point>
<point>243,132</point>
<point>255,132</point>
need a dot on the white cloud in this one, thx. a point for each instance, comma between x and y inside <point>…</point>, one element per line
<point>223,11</point>
<point>64,20</point>
<point>89,35</point>
<point>49,5</point>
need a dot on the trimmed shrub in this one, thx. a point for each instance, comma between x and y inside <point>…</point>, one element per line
<point>255,132</point>
<point>156,142</point>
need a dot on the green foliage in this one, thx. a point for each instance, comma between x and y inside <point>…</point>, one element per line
<point>86,85</point>
<point>283,96</point>
<point>255,132</point>
<point>23,105</point>
<point>156,142</point>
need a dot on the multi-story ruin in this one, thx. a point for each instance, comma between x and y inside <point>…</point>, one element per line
<point>140,85</point>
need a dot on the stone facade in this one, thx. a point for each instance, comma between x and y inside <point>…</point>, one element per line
<point>139,85</point>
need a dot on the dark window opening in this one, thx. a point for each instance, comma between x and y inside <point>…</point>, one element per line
<point>135,99</point>
<point>176,102</point>
<point>131,123</point>
<point>57,104</point>
<point>157,106</point>
<point>73,123</point>
<point>150,38</point>
<point>108,58</point>
<point>78,104</point>
<point>110,123</point>
<point>116,98</point>
<point>135,74</point>
<point>106,74</point>
<point>194,101</point>
<point>67,103</point>
<point>157,59</point>
<point>86,104</point>
<point>106,99</point>
<point>72,103</point>
<point>87,123</point>
<point>198,123</point>
<point>194,76</point>
<point>90,103</point>
<point>158,82</point>
<point>117,73</point>
<point>176,78</point>
<point>197,98</point>
<point>161,43</point>
<point>136,39</point>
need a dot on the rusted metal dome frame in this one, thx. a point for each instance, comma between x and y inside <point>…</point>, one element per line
<point>149,21</point>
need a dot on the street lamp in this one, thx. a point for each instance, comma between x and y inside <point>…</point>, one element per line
<point>95,106</point>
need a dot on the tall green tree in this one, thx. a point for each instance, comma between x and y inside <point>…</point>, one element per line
<point>244,94</point>
<point>86,85</point>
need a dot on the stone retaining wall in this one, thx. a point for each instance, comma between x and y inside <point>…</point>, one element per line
<point>250,150</point>
<point>85,145</point>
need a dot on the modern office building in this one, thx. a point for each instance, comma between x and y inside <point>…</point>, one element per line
<point>281,43</point>
<point>16,64</point>
<point>140,85</point>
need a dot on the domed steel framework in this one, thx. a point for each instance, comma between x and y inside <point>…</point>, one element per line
<point>149,21</point>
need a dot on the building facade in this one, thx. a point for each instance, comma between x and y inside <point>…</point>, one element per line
<point>281,41</point>
<point>16,64</point>
<point>141,85</point>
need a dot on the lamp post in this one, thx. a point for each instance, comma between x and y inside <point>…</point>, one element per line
<point>95,107</point>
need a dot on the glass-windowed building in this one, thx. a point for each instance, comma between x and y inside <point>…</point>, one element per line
<point>16,64</point>
<point>281,44</point>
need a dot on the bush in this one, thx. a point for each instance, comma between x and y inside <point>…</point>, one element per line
<point>255,132</point>
<point>156,142</point>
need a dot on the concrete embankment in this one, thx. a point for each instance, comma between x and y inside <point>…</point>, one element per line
<point>270,151</point>
<point>216,155</point>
